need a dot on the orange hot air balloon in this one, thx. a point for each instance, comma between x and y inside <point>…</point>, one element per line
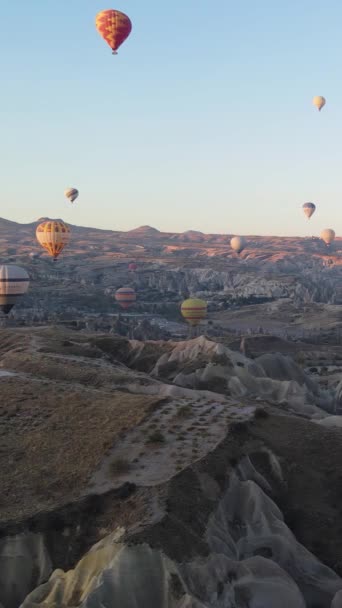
<point>114,27</point>
<point>53,235</point>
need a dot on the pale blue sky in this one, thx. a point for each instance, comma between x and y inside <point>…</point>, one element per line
<point>203,120</point>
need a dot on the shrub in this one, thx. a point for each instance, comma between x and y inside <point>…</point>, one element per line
<point>240,426</point>
<point>155,437</point>
<point>260,412</point>
<point>184,411</point>
<point>119,466</point>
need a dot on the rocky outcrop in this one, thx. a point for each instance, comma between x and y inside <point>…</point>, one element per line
<point>24,563</point>
<point>252,559</point>
<point>164,474</point>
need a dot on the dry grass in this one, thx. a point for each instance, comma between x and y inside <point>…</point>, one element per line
<point>52,438</point>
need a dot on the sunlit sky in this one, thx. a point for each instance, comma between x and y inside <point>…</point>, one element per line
<point>204,120</point>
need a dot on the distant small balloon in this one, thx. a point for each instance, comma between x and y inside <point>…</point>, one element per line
<point>309,209</point>
<point>238,243</point>
<point>132,266</point>
<point>125,297</point>
<point>72,194</point>
<point>194,310</point>
<point>319,102</point>
<point>14,283</point>
<point>328,236</point>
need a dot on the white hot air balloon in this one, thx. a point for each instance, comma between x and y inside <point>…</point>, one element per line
<point>319,102</point>
<point>14,283</point>
<point>309,209</point>
<point>71,194</point>
<point>328,236</point>
<point>238,243</point>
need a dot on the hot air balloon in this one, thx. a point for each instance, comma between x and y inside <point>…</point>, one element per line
<point>238,243</point>
<point>53,235</point>
<point>114,27</point>
<point>132,266</point>
<point>309,209</point>
<point>125,297</point>
<point>14,283</point>
<point>328,236</point>
<point>71,194</point>
<point>319,102</point>
<point>194,310</point>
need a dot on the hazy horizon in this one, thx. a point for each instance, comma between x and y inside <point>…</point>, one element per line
<point>219,137</point>
<point>134,227</point>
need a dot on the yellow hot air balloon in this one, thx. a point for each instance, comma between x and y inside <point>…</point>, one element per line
<point>328,236</point>
<point>53,235</point>
<point>319,102</point>
<point>194,310</point>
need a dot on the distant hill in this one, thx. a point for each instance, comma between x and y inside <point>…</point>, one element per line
<point>192,235</point>
<point>144,231</point>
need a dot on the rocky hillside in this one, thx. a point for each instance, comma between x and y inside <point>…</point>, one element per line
<point>167,474</point>
<point>170,267</point>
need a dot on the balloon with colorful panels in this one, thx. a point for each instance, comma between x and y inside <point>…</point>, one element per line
<point>125,297</point>
<point>71,194</point>
<point>309,209</point>
<point>328,236</point>
<point>114,27</point>
<point>319,102</point>
<point>194,310</point>
<point>53,236</point>
<point>14,283</point>
<point>238,243</point>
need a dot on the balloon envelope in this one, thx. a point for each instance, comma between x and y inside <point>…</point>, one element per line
<point>71,194</point>
<point>114,27</point>
<point>132,266</point>
<point>328,235</point>
<point>194,310</point>
<point>319,102</point>
<point>53,235</point>
<point>14,283</point>
<point>309,209</point>
<point>238,243</point>
<point>125,297</point>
